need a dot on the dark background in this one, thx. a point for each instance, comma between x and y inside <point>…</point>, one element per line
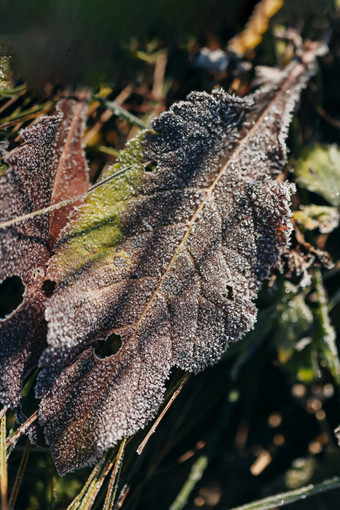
<point>250,402</point>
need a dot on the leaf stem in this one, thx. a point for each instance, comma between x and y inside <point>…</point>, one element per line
<point>325,333</point>
<point>195,475</point>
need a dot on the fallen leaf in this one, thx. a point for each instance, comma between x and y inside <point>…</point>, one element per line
<point>164,263</point>
<point>49,164</point>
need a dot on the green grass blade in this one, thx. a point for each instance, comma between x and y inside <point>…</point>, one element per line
<point>196,473</point>
<point>202,462</point>
<point>285,498</point>
<point>77,500</point>
<point>113,483</point>
<point>87,496</point>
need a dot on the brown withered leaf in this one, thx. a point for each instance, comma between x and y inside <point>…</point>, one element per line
<point>50,165</point>
<point>169,258</point>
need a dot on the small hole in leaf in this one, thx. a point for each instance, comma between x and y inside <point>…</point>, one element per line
<point>229,294</point>
<point>109,347</point>
<point>150,167</point>
<point>11,295</point>
<point>37,273</point>
<point>48,287</point>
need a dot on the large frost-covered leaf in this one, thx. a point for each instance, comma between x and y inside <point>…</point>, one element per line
<point>49,165</point>
<point>169,257</point>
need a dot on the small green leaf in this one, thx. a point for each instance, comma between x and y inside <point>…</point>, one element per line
<point>319,170</point>
<point>323,217</point>
<point>294,323</point>
<point>324,332</point>
<point>296,350</point>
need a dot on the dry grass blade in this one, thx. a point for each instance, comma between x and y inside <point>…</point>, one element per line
<point>26,115</point>
<point>19,476</point>
<point>106,115</point>
<point>12,100</point>
<point>60,204</point>
<point>122,112</point>
<point>161,416</point>
<point>3,472</point>
<point>14,438</point>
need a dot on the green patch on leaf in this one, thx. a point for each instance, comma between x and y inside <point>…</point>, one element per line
<point>96,228</point>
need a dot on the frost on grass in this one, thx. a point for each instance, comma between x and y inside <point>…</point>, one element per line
<point>201,223</point>
<point>38,170</point>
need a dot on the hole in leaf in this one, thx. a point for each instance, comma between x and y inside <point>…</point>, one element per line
<point>11,295</point>
<point>109,347</point>
<point>37,273</point>
<point>150,167</point>
<point>229,294</point>
<point>48,287</point>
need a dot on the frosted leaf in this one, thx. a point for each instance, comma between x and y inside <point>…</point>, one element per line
<point>170,258</point>
<point>39,170</point>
